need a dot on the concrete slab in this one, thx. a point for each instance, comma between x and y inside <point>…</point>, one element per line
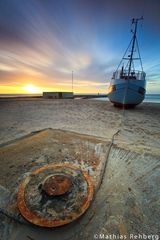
<point>22,156</point>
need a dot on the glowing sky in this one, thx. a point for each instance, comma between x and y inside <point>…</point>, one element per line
<point>42,41</point>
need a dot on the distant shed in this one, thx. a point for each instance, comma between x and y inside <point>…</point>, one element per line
<point>57,95</point>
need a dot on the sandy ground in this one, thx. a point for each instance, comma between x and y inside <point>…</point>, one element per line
<point>21,117</point>
<point>128,200</point>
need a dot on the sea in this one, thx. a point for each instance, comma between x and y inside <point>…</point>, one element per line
<point>19,95</point>
<point>153,98</point>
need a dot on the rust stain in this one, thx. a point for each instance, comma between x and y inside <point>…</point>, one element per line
<point>56,185</point>
<point>46,222</point>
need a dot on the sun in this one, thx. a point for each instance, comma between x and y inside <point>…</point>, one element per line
<point>30,88</point>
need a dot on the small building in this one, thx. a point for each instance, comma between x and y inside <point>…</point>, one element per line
<point>57,95</point>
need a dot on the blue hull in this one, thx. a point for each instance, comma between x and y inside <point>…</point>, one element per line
<point>127,93</point>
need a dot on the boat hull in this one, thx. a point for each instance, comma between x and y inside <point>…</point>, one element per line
<point>127,93</point>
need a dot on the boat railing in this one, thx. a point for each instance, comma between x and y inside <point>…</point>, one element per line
<point>137,75</point>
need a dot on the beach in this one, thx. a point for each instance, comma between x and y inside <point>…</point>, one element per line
<point>131,175</point>
<point>139,127</point>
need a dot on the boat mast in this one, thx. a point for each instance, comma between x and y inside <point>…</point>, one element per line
<point>135,21</point>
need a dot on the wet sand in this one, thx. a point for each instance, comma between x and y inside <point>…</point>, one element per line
<point>130,181</point>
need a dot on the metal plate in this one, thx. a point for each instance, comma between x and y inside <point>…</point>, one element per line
<point>54,195</point>
<point>56,184</point>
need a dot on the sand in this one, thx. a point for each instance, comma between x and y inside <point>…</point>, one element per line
<point>130,181</point>
<point>20,117</point>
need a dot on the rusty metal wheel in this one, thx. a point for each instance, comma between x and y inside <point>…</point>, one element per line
<point>54,195</point>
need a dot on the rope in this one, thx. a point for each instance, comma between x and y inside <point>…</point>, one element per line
<point>139,54</point>
<point>107,157</point>
<point>124,54</point>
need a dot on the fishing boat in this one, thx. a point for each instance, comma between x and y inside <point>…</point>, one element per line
<point>128,84</point>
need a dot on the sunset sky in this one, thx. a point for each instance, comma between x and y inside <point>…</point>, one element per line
<point>43,41</point>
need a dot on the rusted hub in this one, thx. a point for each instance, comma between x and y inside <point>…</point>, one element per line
<point>55,195</point>
<point>56,185</point>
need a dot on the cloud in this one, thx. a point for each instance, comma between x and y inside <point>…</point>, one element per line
<point>44,41</point>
